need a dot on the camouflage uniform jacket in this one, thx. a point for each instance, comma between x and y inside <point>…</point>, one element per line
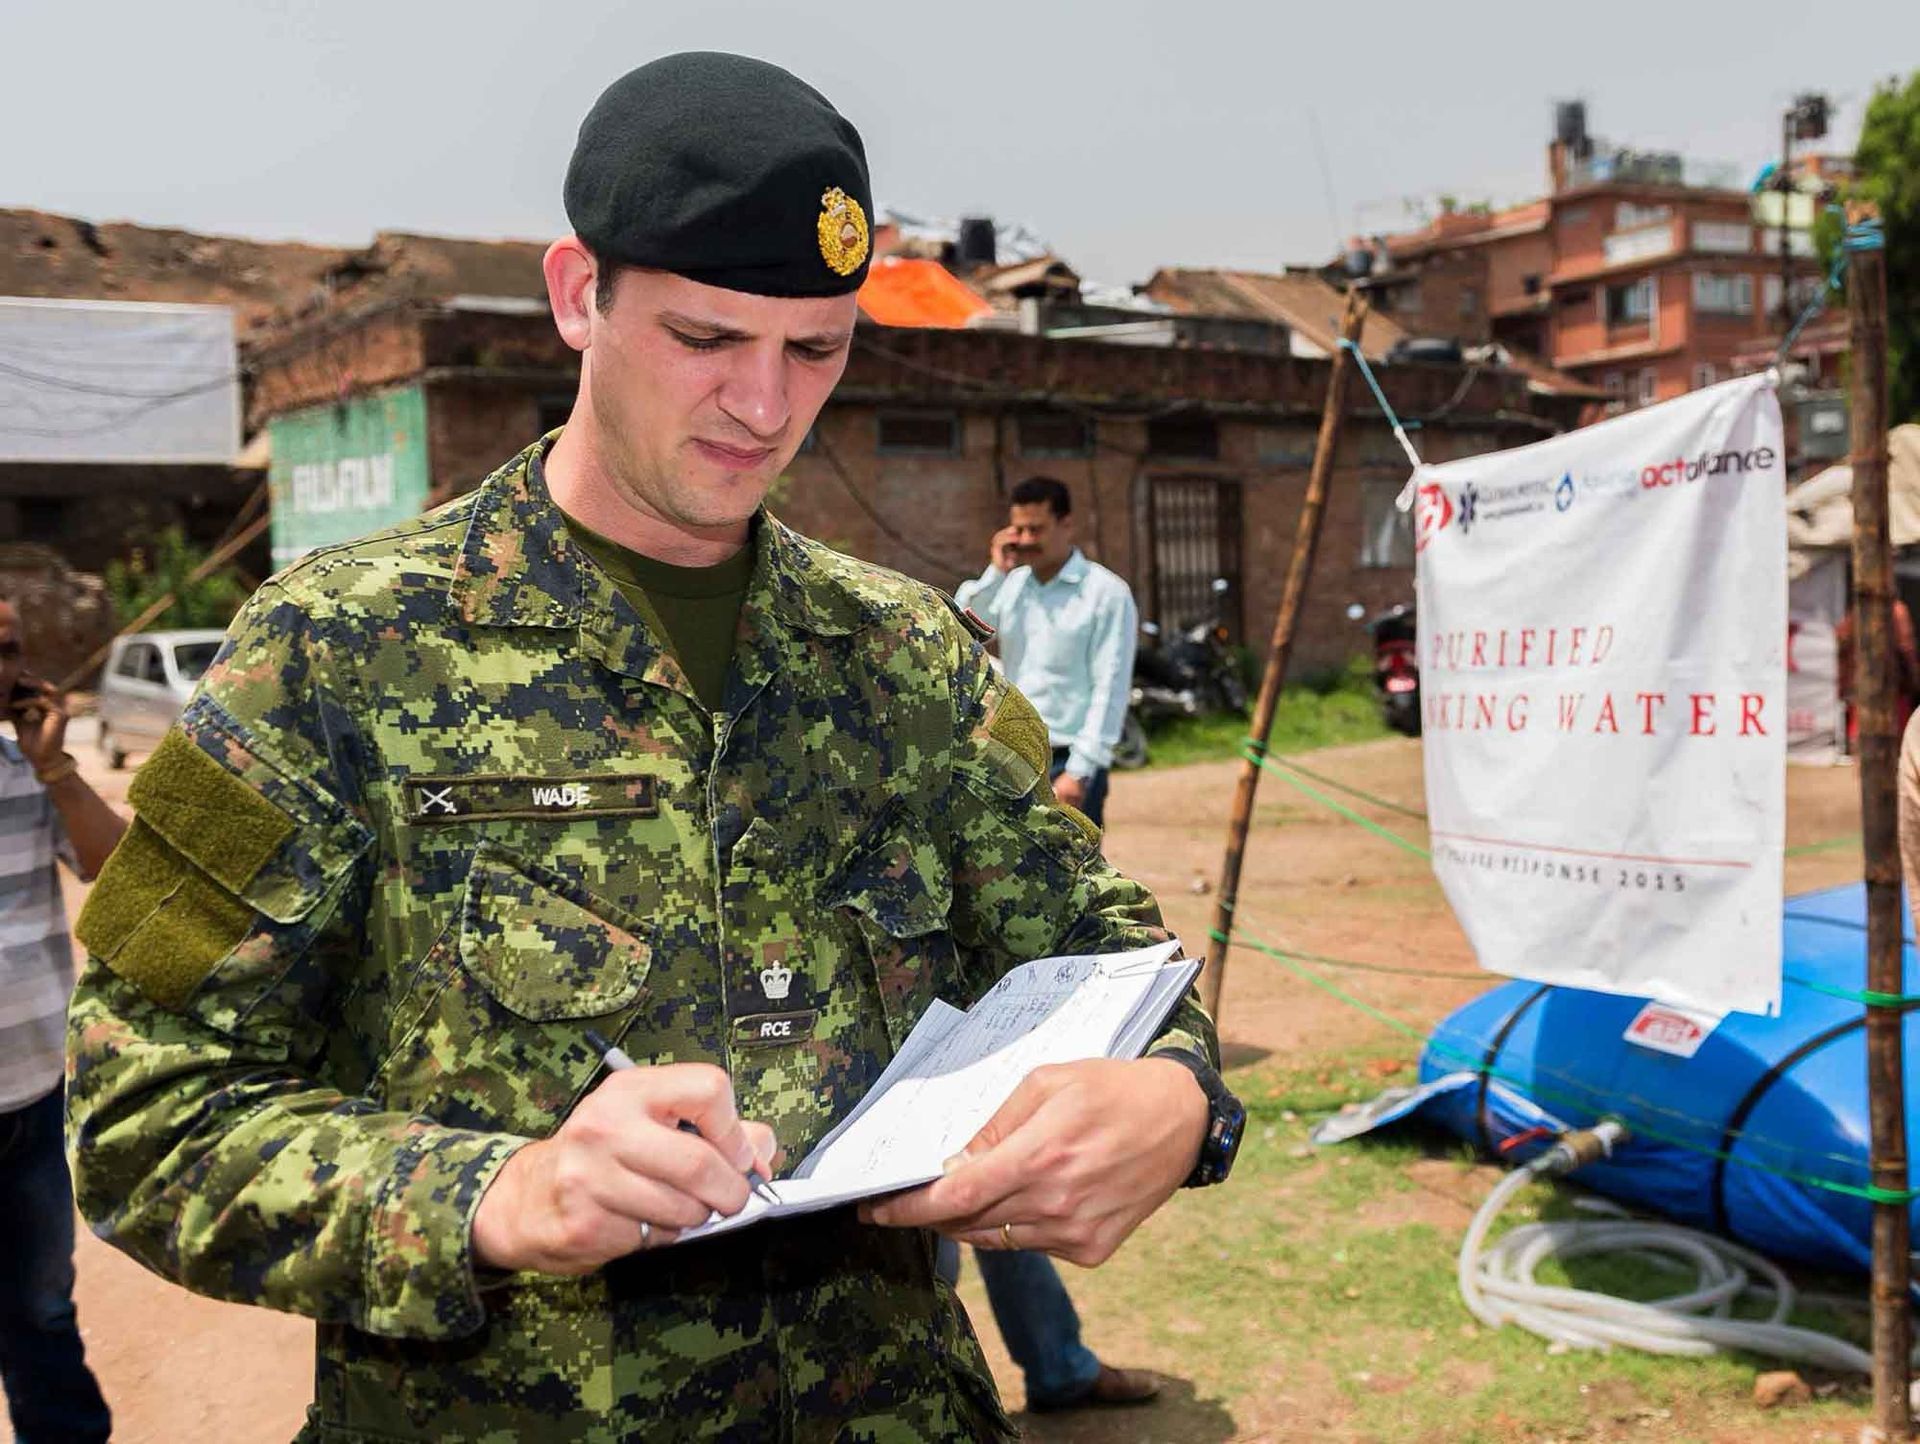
<point>443,803</point>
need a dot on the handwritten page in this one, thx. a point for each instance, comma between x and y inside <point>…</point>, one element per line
<point>956,1068</point>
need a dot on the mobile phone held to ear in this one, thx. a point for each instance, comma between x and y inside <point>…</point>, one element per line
<point>26,691</point>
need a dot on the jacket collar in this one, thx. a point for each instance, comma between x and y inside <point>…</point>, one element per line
<point>519,567</point>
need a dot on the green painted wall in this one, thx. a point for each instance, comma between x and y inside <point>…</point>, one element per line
<point>342,471</point>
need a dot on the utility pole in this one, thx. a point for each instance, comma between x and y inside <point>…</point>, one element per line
<point>1299,570</point>
<point>1880,836</point>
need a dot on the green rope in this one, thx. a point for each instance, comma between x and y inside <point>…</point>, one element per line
<point>1832,844</point>
<point>1870,1192</point>
<point>1350,790</point>
<point>1441,974</point>
<point>1285,770</point>
<point>1865,996</point>
<point>1340,807</point>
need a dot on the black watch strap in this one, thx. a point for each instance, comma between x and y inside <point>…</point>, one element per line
<point>1226,1120</point>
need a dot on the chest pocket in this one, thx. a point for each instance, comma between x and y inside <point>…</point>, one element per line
<point>895,890</point>
<point>493,1031</point>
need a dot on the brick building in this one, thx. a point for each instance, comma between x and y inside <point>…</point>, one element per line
<point>1636,274</point>
<point>406,370</point>
<point>1186,463</point>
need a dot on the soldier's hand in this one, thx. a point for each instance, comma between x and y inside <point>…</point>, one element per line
<point>1004,550</point>
<point>570,1203</point>
<point>1073,1161</point>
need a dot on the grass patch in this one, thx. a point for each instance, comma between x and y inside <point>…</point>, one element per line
<point>1327,1275</point>
<point>1324,711</point>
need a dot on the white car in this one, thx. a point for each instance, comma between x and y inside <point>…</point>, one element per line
<point>149,677</point>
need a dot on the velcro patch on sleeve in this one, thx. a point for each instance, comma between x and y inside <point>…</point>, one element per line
<point>1080,820</point>
<point>1017,726</point>
<point>159,921</point>
<point>208,813</point>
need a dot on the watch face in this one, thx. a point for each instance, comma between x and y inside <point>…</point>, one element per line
<point>1224,1137</point>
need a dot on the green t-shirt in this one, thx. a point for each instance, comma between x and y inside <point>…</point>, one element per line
<point>697,607</point>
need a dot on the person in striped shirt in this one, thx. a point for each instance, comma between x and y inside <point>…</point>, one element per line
<point>47,811</point>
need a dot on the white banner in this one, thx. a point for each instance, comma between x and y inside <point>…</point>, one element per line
<point>1603,620</point>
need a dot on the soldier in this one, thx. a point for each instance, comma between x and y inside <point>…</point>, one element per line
<point>602,746</point>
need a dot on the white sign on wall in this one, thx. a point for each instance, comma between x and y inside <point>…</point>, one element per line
<point>1603,624</point>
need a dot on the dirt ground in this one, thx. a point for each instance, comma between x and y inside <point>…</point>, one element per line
<point>178,1368</point>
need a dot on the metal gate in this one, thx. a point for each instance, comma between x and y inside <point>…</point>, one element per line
<point>1194,530</point>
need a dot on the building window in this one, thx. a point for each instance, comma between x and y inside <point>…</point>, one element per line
<point>1193,534</point>
<point>1184,436</point>
<point>1615,384</point>
<point>1386,532</point>
<point>920,433</point>
<point>1469,302</point>
<point>1055,433</point>
<point>1704,374</point>
<point>1718,295</point>
<point>1627,216</point>
<point>1649,387</point>
<point>1530,285</point>
<point>1577,296</point>
<point>1631,303</point>
<point>1726,238</point>
<point>1805,288</point>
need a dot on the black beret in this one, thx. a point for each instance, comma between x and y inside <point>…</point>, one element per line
<point>725,170</point>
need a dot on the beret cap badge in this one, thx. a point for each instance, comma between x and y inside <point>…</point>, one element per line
<point>843,232</point>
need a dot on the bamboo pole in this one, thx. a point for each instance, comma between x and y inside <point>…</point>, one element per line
<point>1879,823</point>
<point>1299,570</point>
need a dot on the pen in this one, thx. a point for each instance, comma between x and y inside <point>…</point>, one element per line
<point>617,1061</point>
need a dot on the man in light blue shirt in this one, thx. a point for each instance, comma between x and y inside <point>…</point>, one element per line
<point>1067,632</point>
<point>1067,627</point>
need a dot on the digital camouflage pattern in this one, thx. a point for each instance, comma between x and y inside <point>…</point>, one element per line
<point>306,1041</point>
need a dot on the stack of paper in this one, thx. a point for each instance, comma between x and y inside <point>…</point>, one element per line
<point>956,1069</point>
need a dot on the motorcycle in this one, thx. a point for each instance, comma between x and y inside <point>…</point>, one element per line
<point>1396,666</point>
<point>1196,674</point>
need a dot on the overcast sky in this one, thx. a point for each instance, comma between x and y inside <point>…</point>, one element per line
<point>1244,132</point>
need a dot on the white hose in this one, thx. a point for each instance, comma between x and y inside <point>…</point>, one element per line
<point>1498,1286</point>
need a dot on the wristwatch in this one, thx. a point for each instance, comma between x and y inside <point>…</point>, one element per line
<point>1226,1120</point>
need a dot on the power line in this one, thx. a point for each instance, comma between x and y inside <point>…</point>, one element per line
<point>86,388</point>
<point>846,482</point>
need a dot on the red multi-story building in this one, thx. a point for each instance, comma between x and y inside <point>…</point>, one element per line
<point>1629,275</point>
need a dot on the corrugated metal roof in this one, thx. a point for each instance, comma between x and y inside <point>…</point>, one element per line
<point>1303,302</point>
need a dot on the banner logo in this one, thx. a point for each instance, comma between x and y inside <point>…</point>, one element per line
<point>1432,512</point>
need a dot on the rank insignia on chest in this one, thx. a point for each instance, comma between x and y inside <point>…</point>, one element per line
<point>466,799</point>
<point>775,981</point>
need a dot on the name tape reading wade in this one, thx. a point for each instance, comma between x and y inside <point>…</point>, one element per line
<point>467,799</point>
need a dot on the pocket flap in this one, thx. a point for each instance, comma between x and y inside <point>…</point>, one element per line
<point>896,876</point>
<point>544,947</point>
